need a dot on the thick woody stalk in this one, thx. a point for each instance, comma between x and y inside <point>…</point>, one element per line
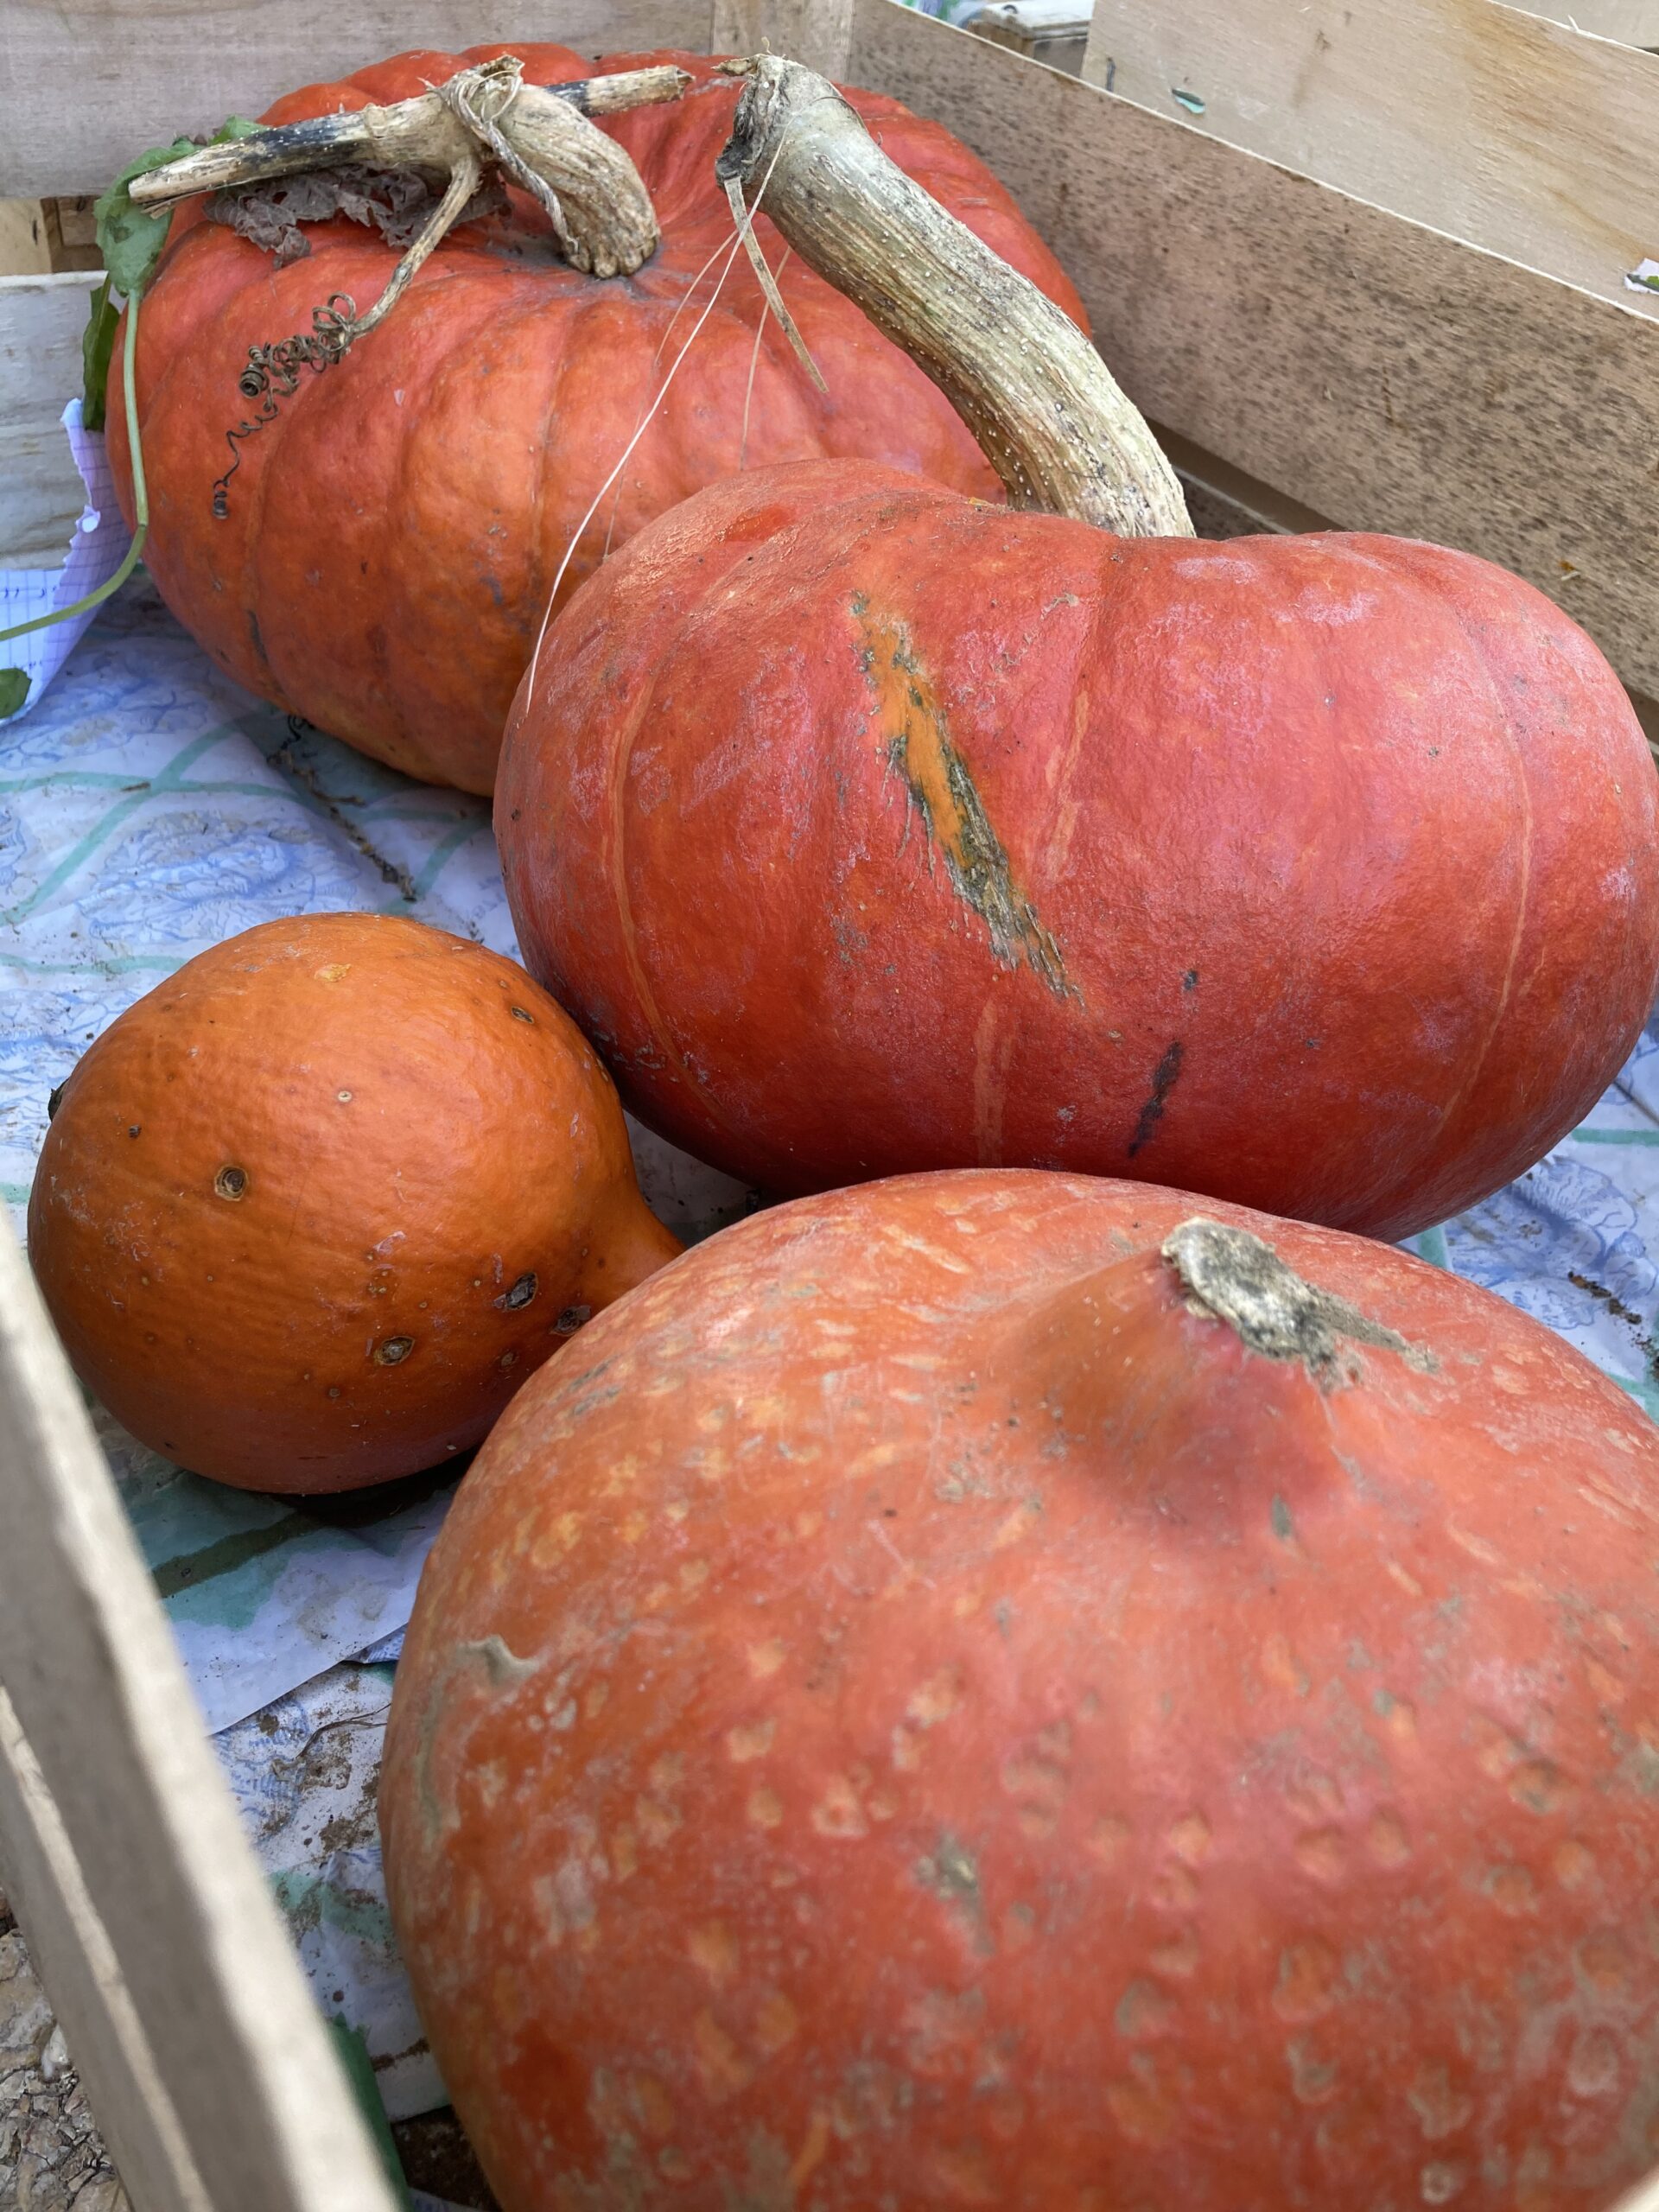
<point>539,135</point>
<point>1032,389</point>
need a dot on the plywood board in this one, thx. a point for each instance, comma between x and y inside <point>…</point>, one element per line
<point>83,89</point>
<point>25,239</point>
<point>124,1834</point>
<point>1390,376</point>
<point>42,318</point>
<point>70,1948</point>
<point>817,32</point>
<point>1518,134</point>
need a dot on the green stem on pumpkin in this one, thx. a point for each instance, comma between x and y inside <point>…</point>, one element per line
<point>140,499</point>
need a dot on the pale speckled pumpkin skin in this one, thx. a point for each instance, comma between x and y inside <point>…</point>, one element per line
<point>913,1713</point>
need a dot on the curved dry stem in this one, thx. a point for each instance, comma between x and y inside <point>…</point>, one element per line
<point>540,135</point>
<point>1036,395</point>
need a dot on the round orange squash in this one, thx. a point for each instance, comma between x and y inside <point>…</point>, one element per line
<point>309,1212</point>
<point>984,1689</point>
<point>390,535</point>
<point>866,828</point>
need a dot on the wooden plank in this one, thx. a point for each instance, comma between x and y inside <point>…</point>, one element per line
<point>71,1951</point>
<point>42,318</point>
<point>1392,378</point>
<point>84,88</point>
<point>817,32</point>
<point>25,239</point>
<point>98,1693</point>
<point>1515,133</point>
<point>1634,23</point>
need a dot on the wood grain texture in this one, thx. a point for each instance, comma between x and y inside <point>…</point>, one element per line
<point>25,239</point>
<point>115,1745</point>
<point>817,32</point>
<point>83,89</point>
<point>1518,134</point>
<point>70,1950</point>
<point>1390,376</point>
<point>41,321</point>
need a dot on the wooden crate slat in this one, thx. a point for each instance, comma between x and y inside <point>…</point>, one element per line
<point>1392,378</point>
<point>84,89</point>
<point>1515,133</point>
<point>42,318</point>
<point>99,1695</point>
<point>70,1948</point>
<point>817,32</point>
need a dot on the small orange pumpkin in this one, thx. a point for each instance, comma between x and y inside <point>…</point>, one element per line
<point>310,1212</point>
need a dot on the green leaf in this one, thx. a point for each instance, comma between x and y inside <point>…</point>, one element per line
<point>14,689</point>
<point>96,348</point>
<point>130,240</point>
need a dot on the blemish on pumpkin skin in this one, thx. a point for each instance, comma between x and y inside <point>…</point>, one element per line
<point>1189,1838</point>
<point>1143,2010</point>
<point>1181,1958</point>
<point>776,2024</point>
<point>1397,1715</point>
<point>1441,2106</point>
<point>937,1699</point>
<point>1386,1841</point>
<point>838,1812</point>
<point>750,1739</point>
<point>1322,1853</point>
<point>1107,1837</point>
<point>1281,1667</point>
<point>1164,1077</point>
<point>1511,1889</point>
<point>721,2065</point>
<point>764,1808</point>
<point>1314,2080</point>
<point>941,788</point>
<point>712,1949</point>
<point>1305,1989</point>
<point>1602,1963</point>
<point>1572,1864</point>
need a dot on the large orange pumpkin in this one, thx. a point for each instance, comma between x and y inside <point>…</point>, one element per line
<point>982,1690</point>
<point>309,1211</point>
<point>867,828</point>
<point>391,536</point>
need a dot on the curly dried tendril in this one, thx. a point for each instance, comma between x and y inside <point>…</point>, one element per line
<point>273,373</point>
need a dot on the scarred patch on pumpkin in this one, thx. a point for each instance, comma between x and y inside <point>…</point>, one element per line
<point>1234,1277</point>
<point>915,740</point>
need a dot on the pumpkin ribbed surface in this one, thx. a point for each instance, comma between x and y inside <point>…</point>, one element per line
<point>391,534</point>
<point>866,828</point>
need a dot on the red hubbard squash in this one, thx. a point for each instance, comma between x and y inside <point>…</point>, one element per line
<point>309,1212</point>
<point>392,533</point>
<point>984,1689</point>
<point>866,828</point>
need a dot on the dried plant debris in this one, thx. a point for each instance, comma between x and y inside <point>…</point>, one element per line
<point>395,202</point>
<point>52,2158</point>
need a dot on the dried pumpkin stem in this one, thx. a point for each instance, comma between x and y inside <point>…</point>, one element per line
<point>463,183</point>
<point>540,134</point>
<point>1036,395</point>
